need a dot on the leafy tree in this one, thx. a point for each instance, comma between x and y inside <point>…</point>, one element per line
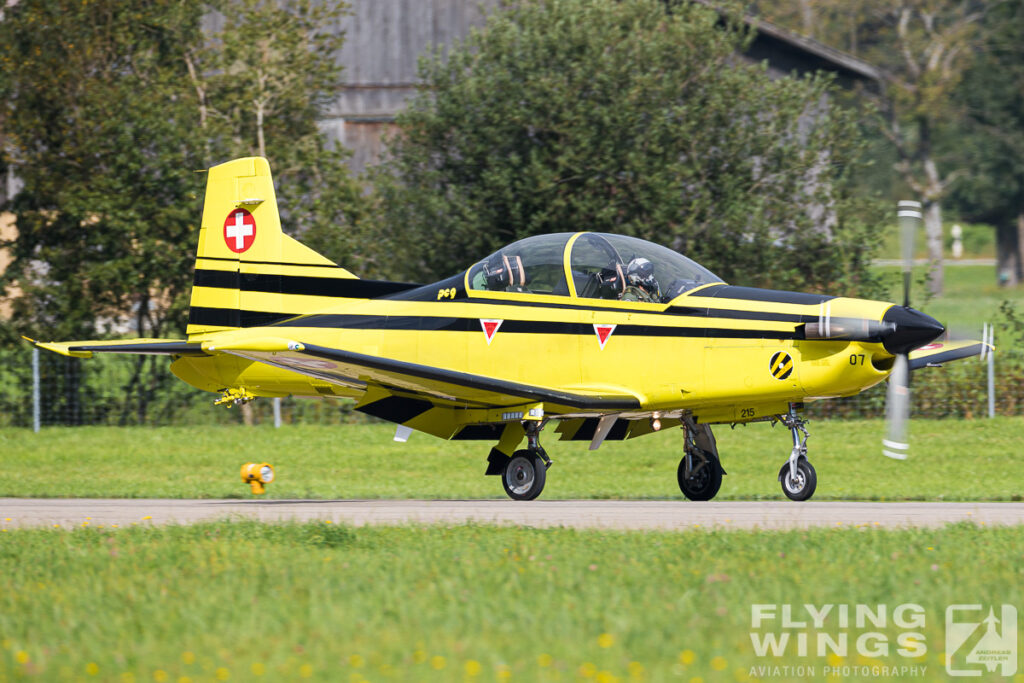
<point>934,38</point>
<point>263,79</point>
<point>992,136</point>
<point>564,115</point>
<point>94,124</point>
<point>923,48</point>
<point>98,131</point>
<point>108,108</point>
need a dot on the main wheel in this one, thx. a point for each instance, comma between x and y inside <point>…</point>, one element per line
<point>524,476</point>
<point>802,486</point>
<point>703,482</point>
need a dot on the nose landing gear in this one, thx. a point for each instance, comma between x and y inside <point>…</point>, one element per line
<point>797,476</point>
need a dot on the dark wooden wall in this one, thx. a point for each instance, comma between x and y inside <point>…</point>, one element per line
<point>383,41</point>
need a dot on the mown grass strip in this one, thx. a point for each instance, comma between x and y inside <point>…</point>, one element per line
<point>283,602</point>
<point>950,460</point>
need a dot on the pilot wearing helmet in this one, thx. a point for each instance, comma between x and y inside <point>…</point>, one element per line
<point>504,273</point>
<point>641,285</point>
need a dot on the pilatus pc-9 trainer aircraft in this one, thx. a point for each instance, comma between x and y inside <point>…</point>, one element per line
<point>610,337</point>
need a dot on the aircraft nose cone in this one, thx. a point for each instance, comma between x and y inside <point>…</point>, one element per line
<point>913,329</point>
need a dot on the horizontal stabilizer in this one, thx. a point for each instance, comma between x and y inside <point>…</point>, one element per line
<point>149,347</point>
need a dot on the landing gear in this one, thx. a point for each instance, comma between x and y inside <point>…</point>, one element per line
<point>798,478</point>
<point>700,472</point>
<point>526,471</point>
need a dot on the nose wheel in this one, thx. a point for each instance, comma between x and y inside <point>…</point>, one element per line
<point>797,476</point>
<point>799,486</point>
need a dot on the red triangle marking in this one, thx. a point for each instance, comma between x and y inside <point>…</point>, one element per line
<point>490,327</point>
<point>603,333</point>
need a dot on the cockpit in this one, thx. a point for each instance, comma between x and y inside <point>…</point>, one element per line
<point>590,265</point>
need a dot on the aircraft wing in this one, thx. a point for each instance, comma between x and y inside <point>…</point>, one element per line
<point>348,368</point>
<point>944,352</point>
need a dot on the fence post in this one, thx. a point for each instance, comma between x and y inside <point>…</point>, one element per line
<point>35,390</point>
<point>990,358</point>
<point>277,412</point>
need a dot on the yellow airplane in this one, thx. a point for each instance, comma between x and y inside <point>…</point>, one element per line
<point>612,337</point>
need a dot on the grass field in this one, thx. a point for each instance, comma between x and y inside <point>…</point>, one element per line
<point>979,241</point>
<point>951,460</point>
<point>971,296</point>
<point>246,601</point>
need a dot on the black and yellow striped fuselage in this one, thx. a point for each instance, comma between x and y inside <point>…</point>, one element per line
<point>720,353</point>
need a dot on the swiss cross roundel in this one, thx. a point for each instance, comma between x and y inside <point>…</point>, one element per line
<point>239,230</point>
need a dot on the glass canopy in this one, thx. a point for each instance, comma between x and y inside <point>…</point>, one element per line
<point>601,266</point>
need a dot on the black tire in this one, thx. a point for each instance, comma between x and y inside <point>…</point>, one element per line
<point>524,476</point>
<point>704,482</point>
<point>805,484</point>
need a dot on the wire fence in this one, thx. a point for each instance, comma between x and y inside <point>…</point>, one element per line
<point>115,390</point>
<point>140,390</point>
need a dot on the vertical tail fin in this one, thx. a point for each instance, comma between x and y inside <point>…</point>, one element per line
<point>248,272</point>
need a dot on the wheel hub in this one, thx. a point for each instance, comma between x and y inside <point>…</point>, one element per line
<point>699,476</point>
<point>520,476</point>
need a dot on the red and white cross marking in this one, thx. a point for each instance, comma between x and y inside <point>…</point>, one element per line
<point>239,230</point>
<point>490,327</point>
<point>603,332</point>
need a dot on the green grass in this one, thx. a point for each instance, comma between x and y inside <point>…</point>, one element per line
<point>979,241</point>
<point>971,296</point>
<point>208,602</point>
<point>951,460</point>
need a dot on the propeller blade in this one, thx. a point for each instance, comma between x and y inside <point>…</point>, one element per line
<point>895,445</point>
<point>909,214</point>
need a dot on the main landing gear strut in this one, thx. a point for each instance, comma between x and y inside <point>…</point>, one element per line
<point>526,471</point>
<point>700,472</point>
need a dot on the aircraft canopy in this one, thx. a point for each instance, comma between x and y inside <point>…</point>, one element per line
<point>589,265</point>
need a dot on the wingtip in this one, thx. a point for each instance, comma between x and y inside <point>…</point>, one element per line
<point>61,348</point>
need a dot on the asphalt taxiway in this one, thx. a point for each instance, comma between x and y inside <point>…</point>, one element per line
<point>600,514</point>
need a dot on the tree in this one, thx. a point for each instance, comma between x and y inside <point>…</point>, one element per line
<point>992,137</point>
<point>108,110</point>
<point>564,115</point>
<point>263,79</point>
<point>923,48</point>
<point>934,39</point>
<point>95,127</point>
<point>93,124</point>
